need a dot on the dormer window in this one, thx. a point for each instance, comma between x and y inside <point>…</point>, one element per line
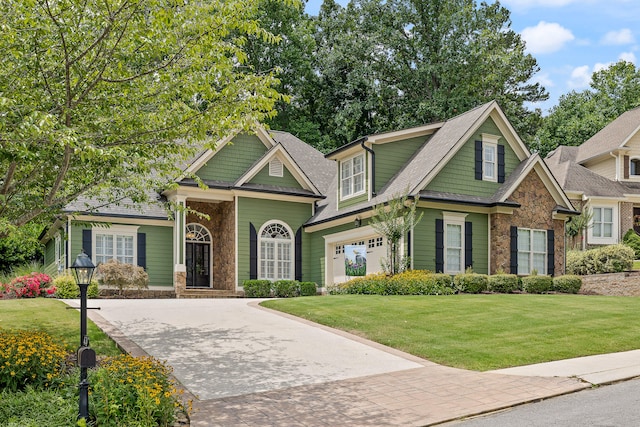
<point>352,176</point>
<point>489,161</point>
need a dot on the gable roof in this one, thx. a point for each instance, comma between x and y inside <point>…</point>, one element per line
<point>613,136</point>
<point>433,155</point>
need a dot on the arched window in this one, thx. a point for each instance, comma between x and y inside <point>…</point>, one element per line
<point>197,233</point>
<point>276,252</point>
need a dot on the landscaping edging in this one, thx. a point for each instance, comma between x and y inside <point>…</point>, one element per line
<point>626,283</point>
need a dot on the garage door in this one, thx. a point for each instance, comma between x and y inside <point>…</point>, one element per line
<point>376,251</point>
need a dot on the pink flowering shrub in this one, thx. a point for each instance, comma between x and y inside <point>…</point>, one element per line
<point>30,286</point>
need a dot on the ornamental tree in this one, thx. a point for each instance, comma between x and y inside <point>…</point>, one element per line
<point>105,98</point>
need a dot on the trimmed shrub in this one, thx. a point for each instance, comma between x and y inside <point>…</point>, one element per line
<point>606,259</point>
<point>122,276</point>
<point>257,288</point>
<point>66,287</point>
<point>537,284</point>
<point>503,283</point>
<point>632,240</point>
<point>308,289</point>
<point>29,358</point>
<point>568,284</point>
<point>471,283</point>
<point>285,288</point>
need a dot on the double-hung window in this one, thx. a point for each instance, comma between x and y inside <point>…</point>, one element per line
<point>352,176</point>
<point>454,244</point>
<point>489,161</point>
<point>602,224</point>
<point>117,242</point>
<point>532,251</point>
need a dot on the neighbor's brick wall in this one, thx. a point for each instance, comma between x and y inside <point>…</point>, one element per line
<point>626,219</point>
<point>536,212</point>
<point>221,225</point>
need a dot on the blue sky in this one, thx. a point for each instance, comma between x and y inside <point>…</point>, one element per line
<point>570,38</point>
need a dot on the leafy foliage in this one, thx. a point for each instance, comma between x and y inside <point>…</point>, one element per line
<point>632,239</point>
<point>471,283</point>
<point>129,390</point>
<point>51,408</point>
<point>257,288</point>
<point>536,284</point>
<point>67,288</point>
<point>568,284</point>
<point>29,286</point>
<point>580,115</point>
<point>122,276</point>
<point>29,358</point>
<point>95,95</point>
<point>308,289</point>
<point>20,246</point>
<point>606,259</point>
<point>411,282</point>
<point>392,221</point>
<point>285,288</point>
<point>503,283</point>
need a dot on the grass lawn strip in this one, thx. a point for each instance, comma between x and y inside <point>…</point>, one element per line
<point>481,332</point>
<point>53,317</point>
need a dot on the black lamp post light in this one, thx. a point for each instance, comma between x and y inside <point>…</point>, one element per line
<point>83,271</point>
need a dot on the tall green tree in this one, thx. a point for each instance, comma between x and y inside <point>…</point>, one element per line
<point>380,65</point>
<point>95,94</point>
<point>580,115</point>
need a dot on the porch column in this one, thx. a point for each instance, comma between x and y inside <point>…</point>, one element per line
<point>179,248</point>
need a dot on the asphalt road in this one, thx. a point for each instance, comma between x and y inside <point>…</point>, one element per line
<point>616,405</point>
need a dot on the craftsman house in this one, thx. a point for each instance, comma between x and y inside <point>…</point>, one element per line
<point>602,176</point>
<point>279,209</point>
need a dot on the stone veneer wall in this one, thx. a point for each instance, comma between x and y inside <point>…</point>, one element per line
<point>536,212</point>
<point>221,225</point>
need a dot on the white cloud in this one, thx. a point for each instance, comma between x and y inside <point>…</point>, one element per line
<point>580,77</point>
<point>546,37</point>
<point>623,36</point>
<point>544,79</point>
<point>628,56</point>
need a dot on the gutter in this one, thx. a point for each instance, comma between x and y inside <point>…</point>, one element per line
<point>373,164</point>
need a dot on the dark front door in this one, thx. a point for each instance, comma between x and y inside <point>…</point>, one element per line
<point>198,262</point>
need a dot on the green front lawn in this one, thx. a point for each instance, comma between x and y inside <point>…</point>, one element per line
<point>52,316</point>
<point>481,332</point>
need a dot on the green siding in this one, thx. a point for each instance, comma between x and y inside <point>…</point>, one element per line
<point>234,159</point>
<point>458,176</point>
<point>286,180</point>
<point>259,211</point>
<point>159,251</point>
<point>391,157</point>
<point>49,258</point>
<point>424,237</point>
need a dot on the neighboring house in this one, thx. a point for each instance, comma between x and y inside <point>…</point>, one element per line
<point>602,176</point>
<point>279,209</point>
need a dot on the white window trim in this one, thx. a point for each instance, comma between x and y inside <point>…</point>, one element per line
<point>292,241</point>
<point>614,227</point>
<point>531,252</point>
<point>364,176</point>
<point>115,230</point>
<point>453,218</point>
<point>59,249</point>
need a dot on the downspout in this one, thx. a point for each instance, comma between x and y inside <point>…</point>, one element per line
<point>373,164</point>
<point>617,178</point>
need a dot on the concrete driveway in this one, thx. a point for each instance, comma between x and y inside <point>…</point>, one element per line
<point>230,347</point>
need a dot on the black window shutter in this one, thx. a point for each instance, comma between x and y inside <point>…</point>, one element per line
<point>479,160</point>
<point>298,255</point>
<point>468,244</point>
<point>253,252</point>
<point>142,250</point>
<point>409,243</point>
<point>439,245</point>
<point>514,250</point>
<point>501,172</point>
<point>86,242</point>
<point>551,264</point>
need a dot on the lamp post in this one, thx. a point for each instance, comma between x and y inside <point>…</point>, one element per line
<point>83,271</point>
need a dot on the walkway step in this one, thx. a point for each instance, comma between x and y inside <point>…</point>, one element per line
<point>209,293</point>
